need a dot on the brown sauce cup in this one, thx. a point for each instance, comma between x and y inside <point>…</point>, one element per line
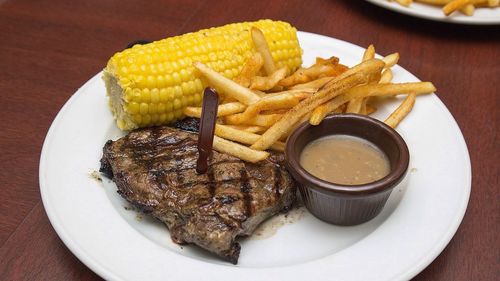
<point>347,204</point>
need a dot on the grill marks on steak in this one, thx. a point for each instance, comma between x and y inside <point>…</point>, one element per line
<point>155,169</point>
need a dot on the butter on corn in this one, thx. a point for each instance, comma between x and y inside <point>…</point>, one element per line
<point>151,84</point>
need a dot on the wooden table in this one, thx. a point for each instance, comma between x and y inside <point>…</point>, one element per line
<point>50,48</point>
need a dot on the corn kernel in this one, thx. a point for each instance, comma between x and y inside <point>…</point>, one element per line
<point>137,118</point>
<point>143,108</point>
<point>177,92</point>
<point>169,81</point>
<point>132,108</point>
<point>161,107</point>
<point>136,95</point>
<point>184,87</point>
<point>170,116</point>
<point>177,78</point>
<point>169,107</point>
<point>153,108</point>
<point>177,103</point>
<point>170,93</point>
<point>160,81</point>
<point>197,99</point>
<point>155,95</point>
<point>163,118</point>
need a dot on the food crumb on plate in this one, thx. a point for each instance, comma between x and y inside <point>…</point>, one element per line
<point>129,208</point>
<point>272,225</point>
<point>95,175</point>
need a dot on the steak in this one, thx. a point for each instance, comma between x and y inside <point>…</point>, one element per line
<point>155,170</point>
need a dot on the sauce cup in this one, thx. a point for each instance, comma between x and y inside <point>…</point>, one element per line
<point>347,204</point>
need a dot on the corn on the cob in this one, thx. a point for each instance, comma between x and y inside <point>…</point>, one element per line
<point>151,84</point>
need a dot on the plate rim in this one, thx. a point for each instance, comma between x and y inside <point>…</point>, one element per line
<point>104,272</point>
<point>463,20</point>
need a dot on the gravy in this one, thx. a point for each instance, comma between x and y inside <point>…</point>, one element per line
<point>344,159</point>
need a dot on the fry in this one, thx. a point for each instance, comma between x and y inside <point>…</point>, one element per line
<point>468,9</point>
<point>369,53</point>
<point>386,76</point>
<point>318,83</point>
<point>493,3</point>
<point>222,110</point>
<point>370,109</point>
<point>356,105</point>
<point>227,86</point>
<point>261,46</point>
<point>298,93</point>
<point>304,75</point>
<point>329,61</point>
<point>454,5</point>
<point>248,128</point>
<point>359,74</point>
<point>250,69</point>
<point>435,2</point>
<point>259,120</point>
<point>303,119</point>
<point>269,82</point>
<point>243,137</point>
<point>368,91</point>
<point>391,89</point>
<point>238,150</point>
<point>391,60</point>
<point>267,103</point>
<point>405,3</point>
<point>322,111</point>
<point>401,112</point>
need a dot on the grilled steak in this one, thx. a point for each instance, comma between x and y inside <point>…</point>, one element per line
<point>155,170</point>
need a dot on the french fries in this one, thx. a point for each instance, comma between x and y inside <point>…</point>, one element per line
<point>260,112</point>
<point>386,76</point>
<point>223,109</point>
<point>403,110</point>
<point>259,120</point>
<point>227,86</point>
<point>467,7</point>
<point>358,105</point>
<point>369,53</point>
<point>332,89</point>
<point>269,82</point>
<point>250,69</point>
<point>243,152</point>
<point>405,3</point>
<point>261,45</point>
<point>391,60</point>
<point>417,88</point>
<point>248,128</point>
<point>282,101</point>
<point>315,84</point>
<point>321,68</point>
<point>229,133</point>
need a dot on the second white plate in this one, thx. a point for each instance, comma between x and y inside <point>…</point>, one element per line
<point>482,16</point>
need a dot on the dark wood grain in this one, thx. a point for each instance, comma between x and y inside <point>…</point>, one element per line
<point>50,48</point>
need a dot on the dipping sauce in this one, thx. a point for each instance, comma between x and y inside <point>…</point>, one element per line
<point>344,159</point>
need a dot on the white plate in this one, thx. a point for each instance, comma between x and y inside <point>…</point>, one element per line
<point>419,220</point>
<point>482,16</point>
